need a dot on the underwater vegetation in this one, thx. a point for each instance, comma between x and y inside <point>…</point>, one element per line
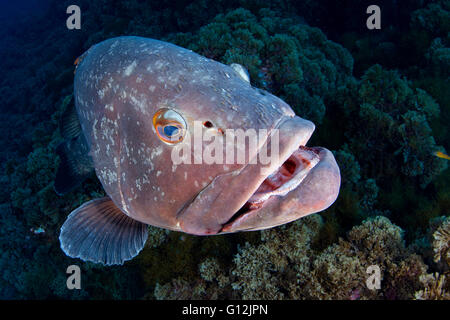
<point>302,272</point>
<point>283,55</point>
<point>380,100</point>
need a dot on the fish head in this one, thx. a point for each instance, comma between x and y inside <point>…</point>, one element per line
<point>270,178</point>
<point>292,182</point>
<point>158,117</point>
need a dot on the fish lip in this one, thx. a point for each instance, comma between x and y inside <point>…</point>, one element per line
<point>197,217</point>
<point>252,207</point>
<point>317,192</point>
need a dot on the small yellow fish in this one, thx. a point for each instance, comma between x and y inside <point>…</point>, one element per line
<point>441,155</point>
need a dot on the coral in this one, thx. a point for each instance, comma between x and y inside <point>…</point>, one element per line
<point>388,126</point>
<point>27,271</point>
<point>441,242</point>
<point>339,272</point>
<point>384,128</point>
<point>431,25</point>
<point>438,57</point>
<point>288,58</point>
<point>286,265</point>
<point>434,18</point>
<point>179,289</point>
<point>210,270</point>
<point>351,179</point>
<point>349,167</point>
<point>436,287</point>
<point>284,252</point>
<point>156,236</point>
<point>211,284</point>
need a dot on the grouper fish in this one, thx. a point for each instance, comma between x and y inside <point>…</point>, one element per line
<point>139,102</point>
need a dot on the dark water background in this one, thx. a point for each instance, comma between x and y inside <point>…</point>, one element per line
<point>367,82</point>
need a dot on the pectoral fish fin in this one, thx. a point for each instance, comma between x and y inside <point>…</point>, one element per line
<point>69,124</point>
<point>75,166</point>
<point>98,231</point>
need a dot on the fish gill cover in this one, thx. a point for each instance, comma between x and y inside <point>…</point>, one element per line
<point>380,100</point>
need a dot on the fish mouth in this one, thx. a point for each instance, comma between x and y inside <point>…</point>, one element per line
<point>286,178</point>
<point>302,180</point>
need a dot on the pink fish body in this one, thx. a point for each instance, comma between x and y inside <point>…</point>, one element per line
<point>141,101</point>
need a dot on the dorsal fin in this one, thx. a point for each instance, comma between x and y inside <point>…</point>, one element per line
<point>241,71</point>
<point>98,231</point>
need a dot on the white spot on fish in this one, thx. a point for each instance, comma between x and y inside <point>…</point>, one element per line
<point>159,64</point>
<point>140,104</point>
<point>108,176</point>
<point>128,70</point>
<point>101,93</point>
<point>114,45</point>
<point>94,129</point>
<point>156,152</point>
<point>141,181</point>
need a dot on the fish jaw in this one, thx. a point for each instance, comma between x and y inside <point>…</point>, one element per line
<point>316,192</point>
<point>216,205</point>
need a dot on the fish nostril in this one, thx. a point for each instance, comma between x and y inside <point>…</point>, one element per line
<point>208,124</point>
<point>290,166</point>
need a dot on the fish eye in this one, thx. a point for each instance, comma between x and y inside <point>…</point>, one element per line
<point>169,126</point>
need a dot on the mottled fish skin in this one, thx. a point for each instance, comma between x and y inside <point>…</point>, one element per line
<point>119,85</point>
